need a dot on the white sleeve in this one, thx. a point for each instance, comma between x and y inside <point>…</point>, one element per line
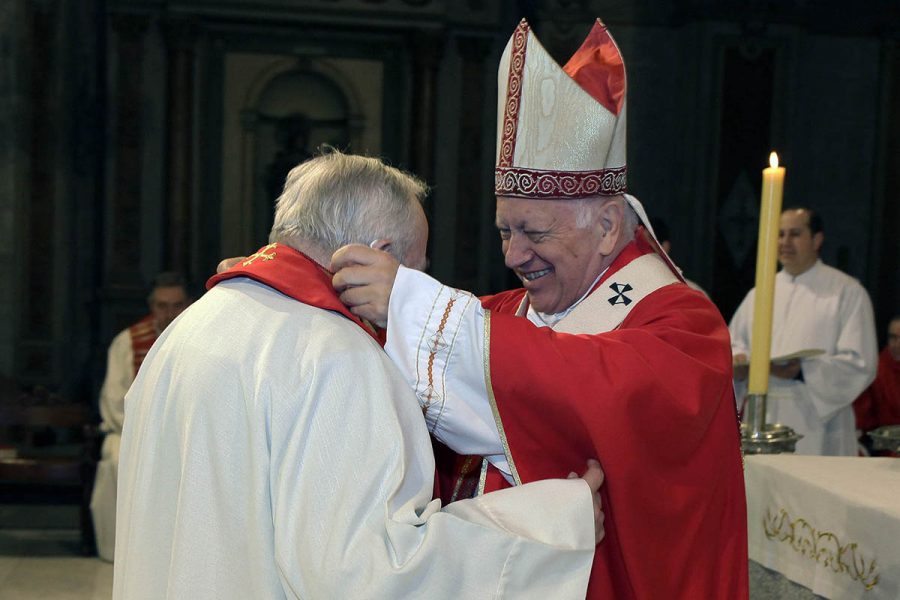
<point>353,515</point>
<point>119,377</point>
<point>436,339</point>
<point>739,329</point>
<point>836,379</point>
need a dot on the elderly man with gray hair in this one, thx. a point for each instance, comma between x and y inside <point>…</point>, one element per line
<point>272,450</point>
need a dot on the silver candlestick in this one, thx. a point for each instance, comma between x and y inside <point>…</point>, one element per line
<point>759,437</point>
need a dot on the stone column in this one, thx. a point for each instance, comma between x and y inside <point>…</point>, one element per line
<point>13,104</point>
<point>180,118</point>
<point>40,122</point>
<point>471,191</point>
<point>427,49</point>
<point>123,253</point>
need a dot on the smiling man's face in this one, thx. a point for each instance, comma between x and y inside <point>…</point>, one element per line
<point>552,246</point>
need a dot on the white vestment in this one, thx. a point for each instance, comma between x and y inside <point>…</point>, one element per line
<point>119,375</point>
<point>271,450</point>
<point>822,308</point>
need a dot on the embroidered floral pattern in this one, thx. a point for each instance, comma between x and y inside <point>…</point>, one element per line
<point>821,547</point>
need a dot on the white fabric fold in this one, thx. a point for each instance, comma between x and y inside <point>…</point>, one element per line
<point>271,450</point>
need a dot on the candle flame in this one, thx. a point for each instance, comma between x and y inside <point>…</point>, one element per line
<point>773,160</point>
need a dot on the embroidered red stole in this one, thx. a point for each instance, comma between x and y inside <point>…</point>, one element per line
<point>296,275</point>
<point>143,334</point>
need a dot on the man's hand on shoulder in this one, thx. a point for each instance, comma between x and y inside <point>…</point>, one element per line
<point>594,478</point>
<point>227,263</point>
<point>364,278</point>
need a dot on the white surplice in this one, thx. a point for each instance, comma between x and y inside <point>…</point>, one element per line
<point>822,308</point>
<point>119,375</point>
<point>271,450</point>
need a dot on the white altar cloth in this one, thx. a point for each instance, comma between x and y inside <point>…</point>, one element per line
<point>829,523</point>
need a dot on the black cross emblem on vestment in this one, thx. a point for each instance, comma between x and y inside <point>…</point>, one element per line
<point>620,297</point>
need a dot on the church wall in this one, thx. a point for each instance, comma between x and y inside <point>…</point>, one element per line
<point>107,188</point>
<point>831,93</point>
<point>13,155</point>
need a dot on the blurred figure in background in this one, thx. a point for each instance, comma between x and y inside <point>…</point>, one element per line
<point>816,308</point>
<point>168,297</point>
<point>880,404</point>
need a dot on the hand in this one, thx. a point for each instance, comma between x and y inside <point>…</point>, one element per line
<point>594,478</point>
<point>229,262</point>
<point>788,370</point>
<point>740,366</point>
<point>364,278</point>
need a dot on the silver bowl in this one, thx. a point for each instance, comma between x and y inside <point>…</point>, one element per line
<point>886,438</point>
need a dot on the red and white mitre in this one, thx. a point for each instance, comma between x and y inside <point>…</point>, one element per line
<point>561,130</point>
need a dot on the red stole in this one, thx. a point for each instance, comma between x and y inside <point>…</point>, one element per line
<point>296,275</point>
<point>143,334</point>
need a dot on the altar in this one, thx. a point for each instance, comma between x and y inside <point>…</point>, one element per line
<point>830,524</point>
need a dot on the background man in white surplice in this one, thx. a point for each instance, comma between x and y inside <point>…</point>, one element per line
<point>816,307</point>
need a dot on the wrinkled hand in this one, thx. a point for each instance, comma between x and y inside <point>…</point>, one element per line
<point>788,370</point>
<point>740,367</point>
<point>364,278</point>
<point>229,262</point>
<point>594,478</point>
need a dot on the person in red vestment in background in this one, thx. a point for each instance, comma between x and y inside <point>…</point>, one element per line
<point>604,352</point>
<point>880,404</point>
<point>168,298</point>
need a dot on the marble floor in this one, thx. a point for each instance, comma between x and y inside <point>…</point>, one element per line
<point>40,559</point>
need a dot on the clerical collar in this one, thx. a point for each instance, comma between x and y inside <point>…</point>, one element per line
<point>296,275</point>
<point>550,319</point>
<point>798,276</point>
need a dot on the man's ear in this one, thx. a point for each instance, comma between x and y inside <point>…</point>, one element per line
<point>382,244</point>
<point>610,220</point>
<point>818,240</point>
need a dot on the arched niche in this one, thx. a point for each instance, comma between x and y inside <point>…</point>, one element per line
<point>283,110</point>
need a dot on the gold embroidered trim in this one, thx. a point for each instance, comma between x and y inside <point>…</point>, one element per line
<point>482,479</point>
<point>463,471</point>
<point>822,547</point>
<point>437,343</point>
<point>261,254</point>
<point>493,400</point>
<point>419,348</point>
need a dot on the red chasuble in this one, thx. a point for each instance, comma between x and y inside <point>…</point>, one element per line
<point>143,334</point>
<point>653,401</point>
<point>296,275</point>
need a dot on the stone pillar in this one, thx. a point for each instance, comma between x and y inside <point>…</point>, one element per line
<point>180,118</point>
<point>123,253</point>
<point>888,299</point>
<point>471,191</point>
<point>14,28</point>
<point>427,49</point>
<point>41,132</point>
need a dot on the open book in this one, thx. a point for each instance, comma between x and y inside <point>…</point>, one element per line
<point>801,354</point>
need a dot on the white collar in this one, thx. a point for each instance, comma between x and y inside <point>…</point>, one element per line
<point>550,319</point>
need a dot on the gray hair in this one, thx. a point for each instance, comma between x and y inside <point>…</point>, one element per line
<point>337,199</point>
<point>587,212</point>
